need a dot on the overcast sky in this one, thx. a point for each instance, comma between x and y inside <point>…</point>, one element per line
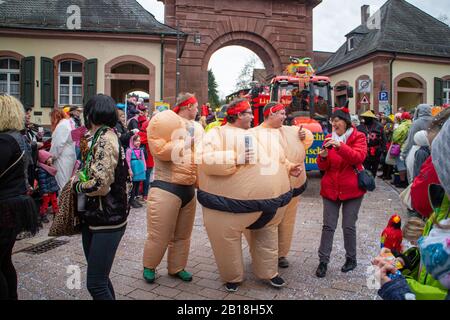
<point>333,19</point>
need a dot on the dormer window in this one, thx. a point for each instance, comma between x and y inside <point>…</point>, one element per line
<point>350,44</point>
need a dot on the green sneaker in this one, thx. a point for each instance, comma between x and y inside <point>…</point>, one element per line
<point>149,275</point>
<point>183,275</point>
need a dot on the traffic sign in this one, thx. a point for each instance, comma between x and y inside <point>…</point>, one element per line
<point>365,100</point>
<point>383,96</point>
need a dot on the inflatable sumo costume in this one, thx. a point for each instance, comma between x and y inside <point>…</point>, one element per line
<point>171,200</point>
<point>295,151</point>
<point>237,195</point>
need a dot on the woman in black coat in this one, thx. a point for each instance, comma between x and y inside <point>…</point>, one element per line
<point>18,211</point>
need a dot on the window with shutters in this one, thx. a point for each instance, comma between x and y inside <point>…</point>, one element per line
<point>446,91</point>
<point>10,76</point>
<point>70,83</point>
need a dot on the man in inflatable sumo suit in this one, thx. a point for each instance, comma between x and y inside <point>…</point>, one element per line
<point>242,187</point>
<point>171,201</point>
<point>294,142</point>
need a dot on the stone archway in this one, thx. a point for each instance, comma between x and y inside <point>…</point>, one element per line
<point>273,29</point>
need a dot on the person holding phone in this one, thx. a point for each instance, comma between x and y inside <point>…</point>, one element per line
<point>240,193</point>
<point>343,152</point>
<point>294,142</point>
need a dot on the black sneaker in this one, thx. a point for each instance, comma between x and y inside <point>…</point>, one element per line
<point>231,287</point>
<point>135,204</point>
<point>277,282</point>
<point>44,219</point>
<point>283,262</point>
<point>349,265</point>
<point>321,271</point>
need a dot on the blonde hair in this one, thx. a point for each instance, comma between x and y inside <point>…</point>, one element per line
<point>12,114</point>
<point>413,229</point>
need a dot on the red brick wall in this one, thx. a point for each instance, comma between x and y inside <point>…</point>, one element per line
<point>273,29</point>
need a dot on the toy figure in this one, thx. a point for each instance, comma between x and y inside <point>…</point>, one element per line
<point>392,235</point>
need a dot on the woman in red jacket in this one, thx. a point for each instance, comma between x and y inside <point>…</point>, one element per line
<point>343,151</point>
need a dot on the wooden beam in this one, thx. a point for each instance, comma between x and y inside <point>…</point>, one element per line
<point>410,90</point>
<point>126,76</point>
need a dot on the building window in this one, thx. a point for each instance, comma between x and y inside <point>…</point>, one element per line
<point>70,79</point>
<point>446,91</point>
<point>351,43</point>
<point>10,77</point>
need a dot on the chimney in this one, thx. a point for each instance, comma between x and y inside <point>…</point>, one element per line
<point>365,14</point>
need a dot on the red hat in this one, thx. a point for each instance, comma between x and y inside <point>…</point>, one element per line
<point>406,116</point>
<point>142,107</point>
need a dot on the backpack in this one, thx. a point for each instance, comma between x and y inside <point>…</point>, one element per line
<point>420,186</point>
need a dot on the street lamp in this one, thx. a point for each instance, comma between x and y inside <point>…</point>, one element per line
<point>197,39</point>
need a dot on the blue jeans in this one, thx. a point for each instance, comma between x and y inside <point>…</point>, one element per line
<point>147,181</point>
<point>100,249</point>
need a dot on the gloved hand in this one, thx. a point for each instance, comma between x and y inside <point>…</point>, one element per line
<point>135,131</point>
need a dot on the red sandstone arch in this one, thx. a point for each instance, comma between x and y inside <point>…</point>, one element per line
<point>273,29</point>
<point>253,42</point>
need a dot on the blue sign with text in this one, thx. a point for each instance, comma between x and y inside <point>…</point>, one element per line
<point>313,152</point>
<point>383,96</point>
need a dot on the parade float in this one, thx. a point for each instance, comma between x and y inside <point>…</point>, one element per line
<point>308,100</point>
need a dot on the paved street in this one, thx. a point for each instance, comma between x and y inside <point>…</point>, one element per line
<point>44,276</point>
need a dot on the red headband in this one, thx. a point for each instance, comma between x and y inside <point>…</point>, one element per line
<point>238,108</point>
<point>191,100</point>
<point>343,109</point>
<point>275,108</point>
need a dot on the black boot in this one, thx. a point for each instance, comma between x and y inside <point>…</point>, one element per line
<point>135,204</point>
<point>283,262</point>
<point>349,265</point>
<point>321,270</point>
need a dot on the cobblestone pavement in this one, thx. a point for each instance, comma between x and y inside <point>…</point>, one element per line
<point>44,276</point>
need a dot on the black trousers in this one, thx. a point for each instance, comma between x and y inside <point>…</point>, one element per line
<point>8,275</point>
<point>372,165</point>
<point>100,250</point>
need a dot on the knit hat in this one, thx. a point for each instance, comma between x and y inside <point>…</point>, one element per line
<point>44,156</point>
<point>142,107</point>
<point>406,116</point>
<point>120,106</point>
<point>342,113</point>
<point>440,149</point>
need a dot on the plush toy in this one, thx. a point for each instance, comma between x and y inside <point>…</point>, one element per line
<point>392,236</point>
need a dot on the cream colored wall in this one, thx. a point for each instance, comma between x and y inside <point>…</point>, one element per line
<point>351,76</point>
<point>102,50</point>
<point>427,71</point>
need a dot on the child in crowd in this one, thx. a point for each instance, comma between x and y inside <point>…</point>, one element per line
<point>137,164</point>
<point>47,184</point>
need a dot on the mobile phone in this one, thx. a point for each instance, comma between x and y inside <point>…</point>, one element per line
<point>248,143</point>
<point>191,131</point>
